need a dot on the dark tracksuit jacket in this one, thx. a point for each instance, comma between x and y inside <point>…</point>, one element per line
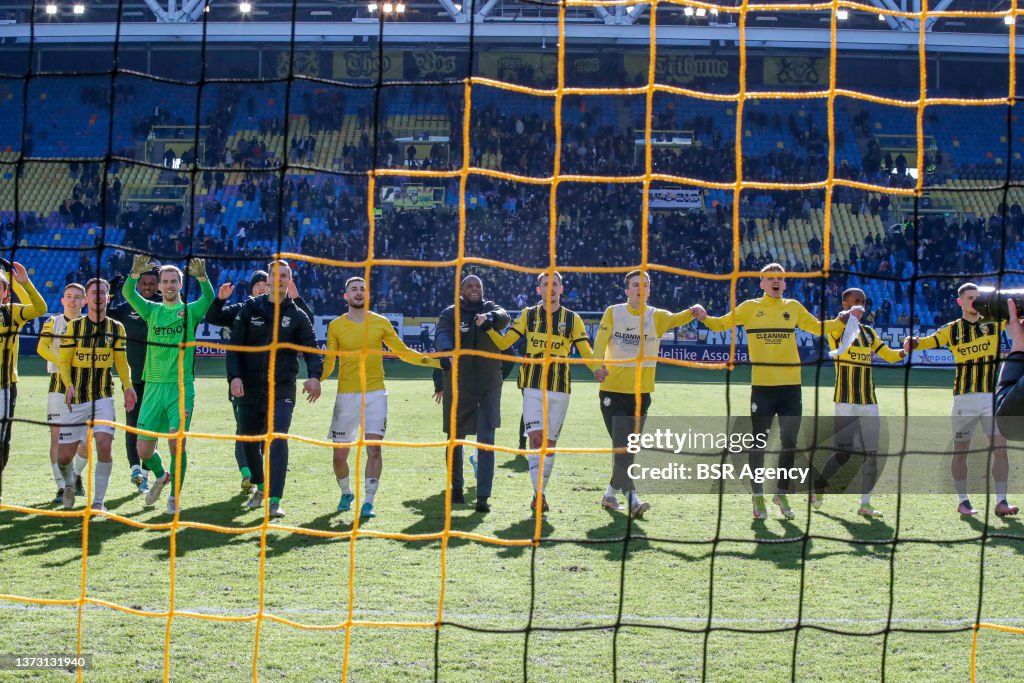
<point>223,314</point>
<point>253,326</point>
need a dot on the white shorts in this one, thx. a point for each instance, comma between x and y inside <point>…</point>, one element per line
<point>856,424</point>
<point>533,411</point>
<point>55,405</point>
<point>970,410</point>
<point>74,418</point>
<point>348,409</point>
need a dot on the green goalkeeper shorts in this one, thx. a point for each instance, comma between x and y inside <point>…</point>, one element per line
<point>160,409</point>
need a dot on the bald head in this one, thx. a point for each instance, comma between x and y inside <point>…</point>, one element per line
<point>472,289</point>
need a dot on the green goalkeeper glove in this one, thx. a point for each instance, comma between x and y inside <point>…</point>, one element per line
<point>141,263</point>
<point>197,268</point>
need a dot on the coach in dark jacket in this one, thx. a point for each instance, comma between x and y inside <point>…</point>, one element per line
<point>223,314</point>
<point>478,410</point>
<point>248,375</point>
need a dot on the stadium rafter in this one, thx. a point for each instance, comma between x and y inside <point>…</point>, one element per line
<point>505,33</point>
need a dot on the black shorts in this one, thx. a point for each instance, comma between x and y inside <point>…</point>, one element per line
<point>769,401</point>
<point>622,406</point>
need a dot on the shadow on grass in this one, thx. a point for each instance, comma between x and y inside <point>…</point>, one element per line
<point>431,514</point>
<point>41,535</point>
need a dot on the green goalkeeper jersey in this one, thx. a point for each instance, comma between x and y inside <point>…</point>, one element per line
<point>169,326</point>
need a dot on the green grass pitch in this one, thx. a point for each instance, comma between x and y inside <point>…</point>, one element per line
<point>846,586</point>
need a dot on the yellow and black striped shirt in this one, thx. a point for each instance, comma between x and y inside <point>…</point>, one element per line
<point>87,352</point>
<point>12,317</point>
<point>975,348</point>
<point>567,330</point>
<point>855,381</point>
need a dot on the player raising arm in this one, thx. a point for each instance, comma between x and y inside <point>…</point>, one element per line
<point>771,322</point>
<point>566,331</point>
<point>856,408</point>
<point>975,346</point>
<point>619,338</point>
<point>356,333</point>
<point>12,317</point>
<point>171,323</point>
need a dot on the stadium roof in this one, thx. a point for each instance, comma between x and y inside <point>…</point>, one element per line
<point>509,21</point>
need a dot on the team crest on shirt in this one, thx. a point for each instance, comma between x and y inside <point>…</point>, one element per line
<point>108,338</point>
<point>760,313</point>
<point>286,320</point>
<point>984,329</point>
<point>181,313</point>
<point>561,328</point>
<point>785,315</point>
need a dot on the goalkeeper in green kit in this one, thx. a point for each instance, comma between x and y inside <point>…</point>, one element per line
<point>171,322</point>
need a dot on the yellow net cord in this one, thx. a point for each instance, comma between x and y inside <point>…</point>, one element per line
<point>462,261</point>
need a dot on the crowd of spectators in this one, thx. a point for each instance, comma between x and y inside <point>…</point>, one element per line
<point>598,224</point>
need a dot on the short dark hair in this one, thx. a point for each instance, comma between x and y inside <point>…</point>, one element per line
<point>154,272</point>
<point>94,281</point>
<point>75,285</point>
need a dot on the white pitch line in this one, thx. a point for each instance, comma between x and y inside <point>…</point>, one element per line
<point>467,618</point>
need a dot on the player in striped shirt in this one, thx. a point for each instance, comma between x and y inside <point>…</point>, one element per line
<point>90,347</point>
<point>72,300</point>
<point>975,346</point>
<point>566,331</point>
<point>12,317</point>
<point>856,408</point>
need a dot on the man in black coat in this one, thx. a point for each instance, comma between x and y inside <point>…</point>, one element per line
<point>136,331</point>
<point>478,409</point>
<point>248,375</point>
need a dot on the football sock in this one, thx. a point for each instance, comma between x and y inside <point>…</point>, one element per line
<point>534,460</point>
<point>549,466</point>
<point>68,474</point>
<point>961,490</point>
<point>246,472</point>
<point>609,492</point>
<point>80,465</point>
<point>103,470</point>
<point>58,476</point>
<point>344,485</point>
<point>865,499</point>
<point>1001,491</point>
<point>371,490</point>
<point>183,458</point>
<point>275,499</point>
<point>155,465</point>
